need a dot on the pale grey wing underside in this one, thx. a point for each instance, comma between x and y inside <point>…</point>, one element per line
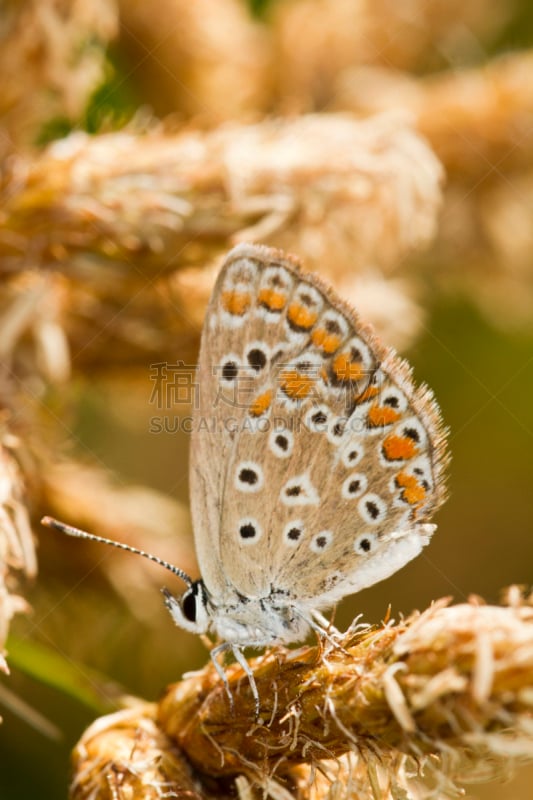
<point>320,464</point>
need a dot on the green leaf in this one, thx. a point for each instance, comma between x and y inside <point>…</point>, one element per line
<point>85,685</point>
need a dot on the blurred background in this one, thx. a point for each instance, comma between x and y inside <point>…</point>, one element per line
<point>391,147</point>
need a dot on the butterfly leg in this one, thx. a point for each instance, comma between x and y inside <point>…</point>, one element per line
<point>173,606</point>
<point>240,658</point>
<point>327,628</point>
<point>321,626</point>
<point>220,648</point>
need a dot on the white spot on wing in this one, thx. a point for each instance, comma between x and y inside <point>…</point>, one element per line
<point>330,315</point>
<point>421,468</point>
<point>413,425</point>
<point>354,486</point>
<point>281,443</point>
<point>361,352</point>
<point>278,280</point>
<point>289,532</point>
<point>299,491</point>
<point>365,544</point>
<point>321,541</point>
<point>391,555</point>
<point>235,320</point>
<point>352,454</point>
<point>248,531</point>
<point>240,273</point>
<point>249,477</point>
<point>225,374</point>
<point>394,398</point>
<point>253,358</point>
<point>316,418</point>
<point>372,508</point>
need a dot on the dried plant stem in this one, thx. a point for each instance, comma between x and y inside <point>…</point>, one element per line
<point>121,196</point>
<point>52,56</point>
<point>449,686</point>
<point>317,40</point>
<point>474,118</point>
<point>130,225</point>
<point>214,64</point>
<point>17,550</point>
<point>129,753</point>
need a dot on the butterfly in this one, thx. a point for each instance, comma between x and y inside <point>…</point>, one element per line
<point>315,463</point>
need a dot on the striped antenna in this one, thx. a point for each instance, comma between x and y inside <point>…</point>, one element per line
<point>50,522</point>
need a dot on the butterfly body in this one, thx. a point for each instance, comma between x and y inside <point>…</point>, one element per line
<point>245,622</point>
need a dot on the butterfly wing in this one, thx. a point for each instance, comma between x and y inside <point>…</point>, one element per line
<point>238,353</point>
<point>325,463</point>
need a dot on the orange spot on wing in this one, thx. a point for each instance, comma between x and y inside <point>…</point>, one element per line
<point>236,303</point>
<point>328,342</point>
<point>261,403</point>
<point>382,415</point>
<point>412,491</point>
<point>368,394</point>
<point>296,385</point>
<point>398,448</point>
<point>346,370</point>
<point>274,301</point>
<point>301,317</point>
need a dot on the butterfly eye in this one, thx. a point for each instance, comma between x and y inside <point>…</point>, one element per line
<point>188,605</point>
<point>191,610</point>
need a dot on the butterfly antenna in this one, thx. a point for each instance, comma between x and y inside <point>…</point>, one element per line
<point>50,522</point>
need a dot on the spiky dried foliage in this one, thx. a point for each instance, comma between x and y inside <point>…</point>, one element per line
<point>207,60</point>
<point>366,57</point>
<point>474,117</point>
<point>52,56</point>
<point>129,756</point>
<point>21,326</point>
<point>478,121</point>
<point>290,61</point>
<point>17,552</point>
<point>316,41</point>
<point>126,226</point>
<point>402,710</point>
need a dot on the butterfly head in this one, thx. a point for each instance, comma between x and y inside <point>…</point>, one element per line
<point>190,611</point>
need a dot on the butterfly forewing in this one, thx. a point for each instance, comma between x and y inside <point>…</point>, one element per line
<point>319,452</point>
<point>238,348</point>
